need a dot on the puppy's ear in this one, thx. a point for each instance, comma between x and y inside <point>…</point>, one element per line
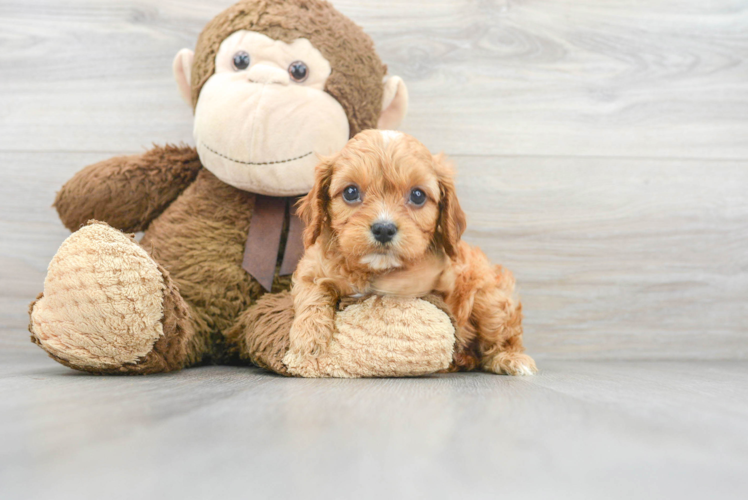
<point>312,208</point>
<point>452,221</point>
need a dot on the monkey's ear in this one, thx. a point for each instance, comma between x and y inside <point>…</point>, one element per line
<point>312,208</point>
<point>182,67</point>
<point>452,221</point>
<point>394,103</point>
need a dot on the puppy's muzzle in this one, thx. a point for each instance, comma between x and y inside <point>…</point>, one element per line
<point>383,232</point>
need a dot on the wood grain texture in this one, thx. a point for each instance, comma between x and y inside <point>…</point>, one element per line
<point>542,77</point>
<point>618,257</point>
<point>613,430</point>
<point>615,258</point>
<point>601,146</point>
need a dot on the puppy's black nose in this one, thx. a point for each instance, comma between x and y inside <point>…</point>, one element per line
<point>383,231</point>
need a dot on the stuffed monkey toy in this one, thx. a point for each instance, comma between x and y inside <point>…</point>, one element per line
<point>273,85</point>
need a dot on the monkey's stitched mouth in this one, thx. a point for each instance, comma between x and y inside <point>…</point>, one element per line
<point>253,162</point>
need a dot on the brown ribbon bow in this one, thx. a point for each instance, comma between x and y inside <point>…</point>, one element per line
<point>264,239</point>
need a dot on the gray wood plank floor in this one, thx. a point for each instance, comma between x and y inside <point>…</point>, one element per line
<point>580,429</point>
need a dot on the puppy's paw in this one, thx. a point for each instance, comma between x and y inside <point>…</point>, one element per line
<point>510,363</point>
<point>309,339</point>
<point>302,365</point>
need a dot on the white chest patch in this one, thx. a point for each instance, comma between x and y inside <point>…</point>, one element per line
<point>380,262</point>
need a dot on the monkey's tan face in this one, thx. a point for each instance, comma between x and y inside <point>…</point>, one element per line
<point>384,200</point>
<point>264,116</point>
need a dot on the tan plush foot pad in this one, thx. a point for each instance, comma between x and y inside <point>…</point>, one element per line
<point>384,337</point>
<point>102,303</point>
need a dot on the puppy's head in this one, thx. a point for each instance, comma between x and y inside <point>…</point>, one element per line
<point>384,200</point>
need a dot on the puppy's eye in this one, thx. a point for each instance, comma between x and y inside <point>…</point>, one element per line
<point>351,194</point>
<point>298,71</point>
<point>241,60</point>
<point>417,197</point>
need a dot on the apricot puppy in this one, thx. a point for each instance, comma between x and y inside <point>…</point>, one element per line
<point>383,218</point>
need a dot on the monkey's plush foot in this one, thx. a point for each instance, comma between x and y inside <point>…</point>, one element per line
<point>510,363</point>
<point>383,337</point>
<point>108,307</point>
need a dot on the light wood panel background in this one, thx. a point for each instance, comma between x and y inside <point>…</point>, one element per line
<point>602,147</point>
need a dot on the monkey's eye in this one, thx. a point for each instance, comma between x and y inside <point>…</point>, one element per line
<point>417,197</point>
<point>351,194</point>
<point>298,71</point>
<point>241,60</point>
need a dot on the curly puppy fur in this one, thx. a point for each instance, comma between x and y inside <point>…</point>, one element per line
<point>344,256</point>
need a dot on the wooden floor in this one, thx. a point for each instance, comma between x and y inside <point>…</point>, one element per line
<point>579,430</point>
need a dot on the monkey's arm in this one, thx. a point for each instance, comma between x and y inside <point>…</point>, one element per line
<point>127,192</point>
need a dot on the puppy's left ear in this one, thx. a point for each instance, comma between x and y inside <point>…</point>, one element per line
<point>452,222</point>
<point>312,208</point>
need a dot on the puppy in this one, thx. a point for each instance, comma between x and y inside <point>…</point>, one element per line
<point>383,218</point>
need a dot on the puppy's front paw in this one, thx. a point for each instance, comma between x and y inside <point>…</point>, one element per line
<point>301,364</point>
<point>310,337</point>
<point>510,363</point>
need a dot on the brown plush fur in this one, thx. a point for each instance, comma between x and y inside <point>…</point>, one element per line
<point>261,334</point>
<point>98,290</point>
<point>343,258</point>
<point>195,225</point>
<point>170,352</point>
<point>200,240</point>
<point>151,182</point>
<point>357,71</point>
<point>382,337</point>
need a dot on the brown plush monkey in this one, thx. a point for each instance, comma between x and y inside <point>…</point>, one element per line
<point>273,84</point>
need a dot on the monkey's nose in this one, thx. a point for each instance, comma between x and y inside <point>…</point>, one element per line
<point>383,231</point>
<point>264,73</point>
